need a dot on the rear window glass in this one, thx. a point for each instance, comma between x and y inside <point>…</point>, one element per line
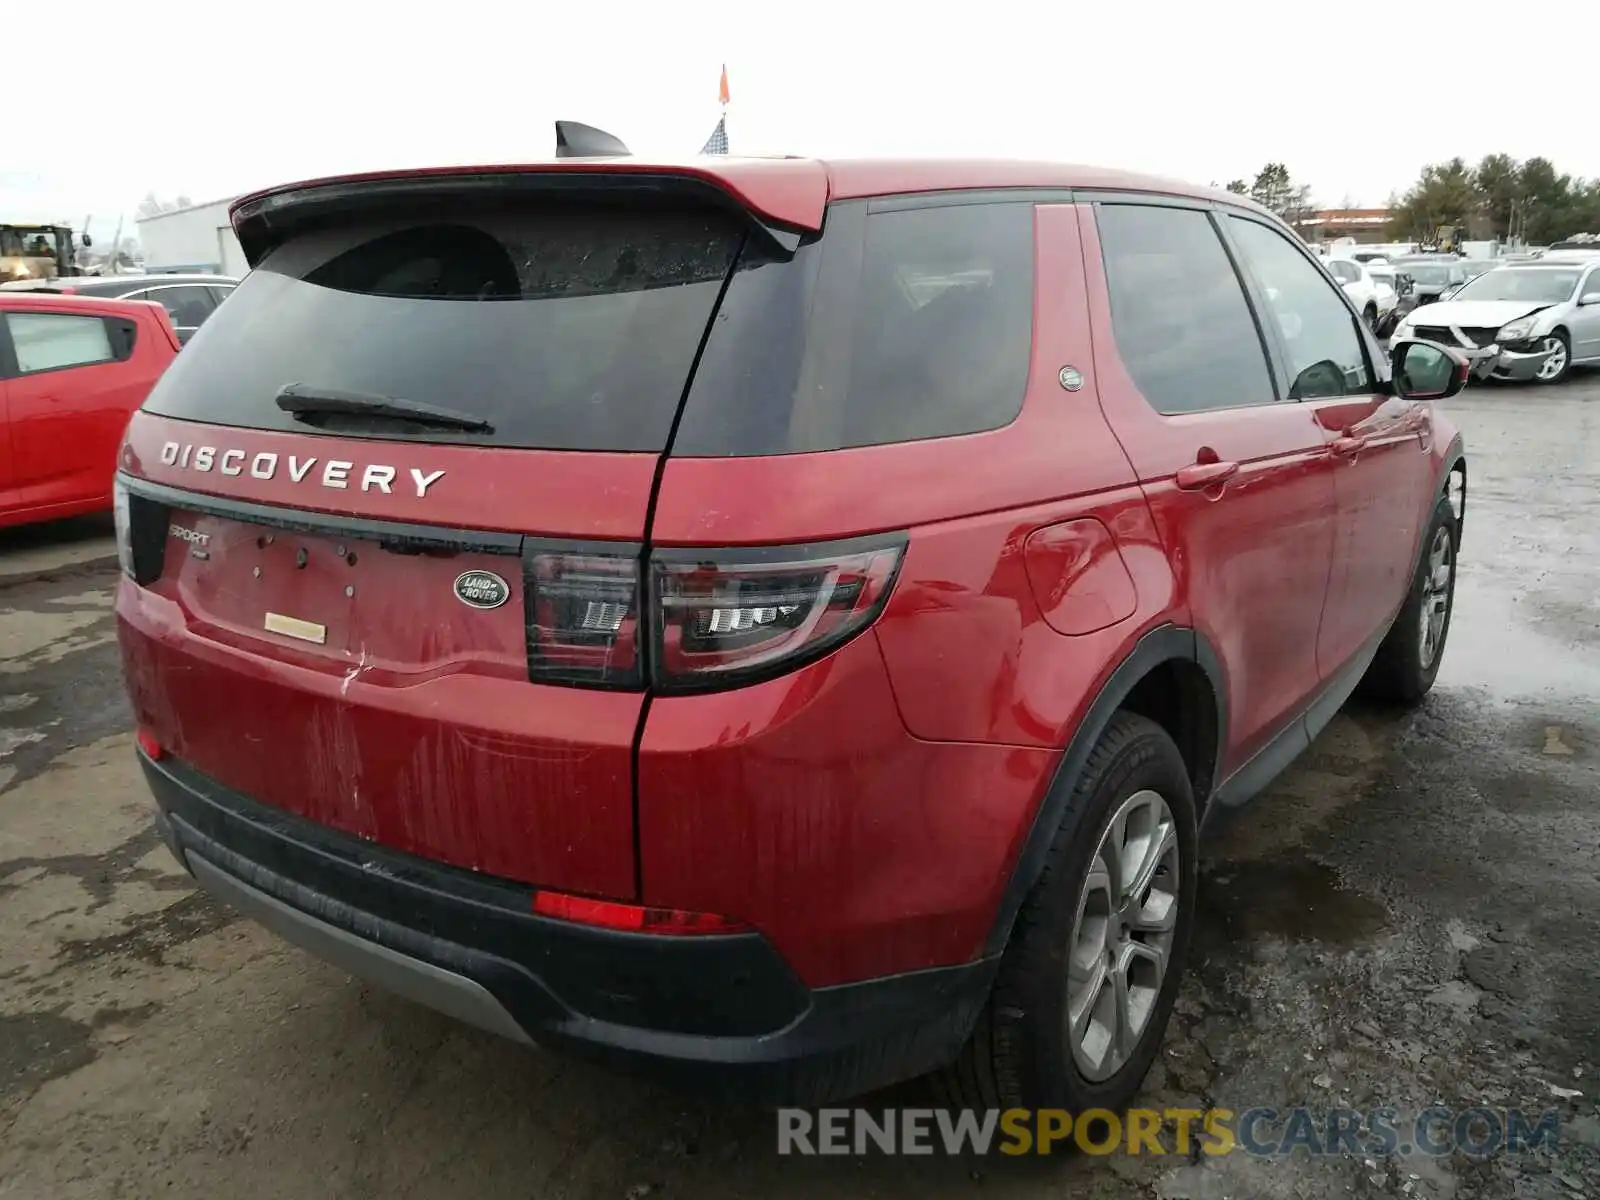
<point>571,328</point>
<point>894,326</point>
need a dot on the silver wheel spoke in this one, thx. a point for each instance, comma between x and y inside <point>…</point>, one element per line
<point>1556,362</point>
<point>1126,1037</point>
<point>1158,913</point>
<point>1142,969</point>
<point>1150,850</point>
<point>1093,985</point>
<point>1111,853</point>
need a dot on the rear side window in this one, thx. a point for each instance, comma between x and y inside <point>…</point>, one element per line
<point>187,306</point>
<point>55,341</point>
<point>894,326</point>
<point>1178,311</point>
<point>564,327</point>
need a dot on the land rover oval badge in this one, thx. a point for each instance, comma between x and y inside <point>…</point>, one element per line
<point>482,589</point>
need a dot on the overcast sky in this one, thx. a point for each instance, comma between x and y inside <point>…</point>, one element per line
<point>261,94</point>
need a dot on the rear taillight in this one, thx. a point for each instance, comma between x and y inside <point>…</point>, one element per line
<point>724,617</point>
<point>123,520</point>
<point>715,618</point>
<point>141,525</point>
<point>583,617</point>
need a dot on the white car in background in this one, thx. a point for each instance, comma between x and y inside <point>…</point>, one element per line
<point>1374,298</point>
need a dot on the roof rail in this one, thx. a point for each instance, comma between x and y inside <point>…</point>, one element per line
<point>577,140</point>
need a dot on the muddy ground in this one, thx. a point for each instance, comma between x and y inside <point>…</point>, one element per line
<point>1411,917</point>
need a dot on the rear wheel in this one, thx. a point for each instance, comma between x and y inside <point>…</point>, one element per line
<point>1092,969</point>
<point>1408,661</point>
<point>1370,316</point>
<point>1559,364</point>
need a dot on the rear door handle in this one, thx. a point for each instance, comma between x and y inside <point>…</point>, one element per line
<point>1203,475</point>
<point>1348,445</point>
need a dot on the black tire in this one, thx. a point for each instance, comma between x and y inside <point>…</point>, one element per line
<point>1370,316</point>
<point>1401,673</point>
<point>1560,335</point>
<point>1019,1054</point>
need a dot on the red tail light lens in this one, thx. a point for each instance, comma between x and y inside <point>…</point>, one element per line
<point>583,617</point>
<point>716,618</point>
<point>609,914</point>
<point>726,617</point>
<point>122,521</point>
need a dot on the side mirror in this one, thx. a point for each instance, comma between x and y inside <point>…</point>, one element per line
<point>1427,370</point>
<point>85,241</point>
<point>1590,298</point>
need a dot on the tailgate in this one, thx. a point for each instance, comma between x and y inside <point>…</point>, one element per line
<point>387,509</point>
<point>374,677</point>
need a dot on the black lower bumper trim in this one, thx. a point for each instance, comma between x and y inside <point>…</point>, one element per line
<point>722,1013</point>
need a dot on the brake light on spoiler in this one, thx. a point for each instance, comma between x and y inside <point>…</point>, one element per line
<point>699,620</point>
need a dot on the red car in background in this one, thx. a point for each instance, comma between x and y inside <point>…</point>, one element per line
<point>72,370</point>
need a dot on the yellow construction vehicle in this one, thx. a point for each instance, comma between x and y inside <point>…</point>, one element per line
<point>37,252</point>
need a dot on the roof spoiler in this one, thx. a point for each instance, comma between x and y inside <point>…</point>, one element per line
<point>577,140</point>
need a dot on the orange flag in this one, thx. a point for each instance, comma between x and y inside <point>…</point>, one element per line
<point>722,88</point>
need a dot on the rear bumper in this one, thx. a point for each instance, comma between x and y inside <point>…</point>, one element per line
<point>721,1013</point>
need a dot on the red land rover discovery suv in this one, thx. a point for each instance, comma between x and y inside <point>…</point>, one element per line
<point>777,622</point>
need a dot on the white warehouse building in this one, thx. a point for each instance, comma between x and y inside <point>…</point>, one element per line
<point>192,239</point>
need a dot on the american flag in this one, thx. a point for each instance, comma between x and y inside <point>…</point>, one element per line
<point>717,143</point>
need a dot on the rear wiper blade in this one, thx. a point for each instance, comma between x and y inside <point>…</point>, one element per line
<point>302,400</point>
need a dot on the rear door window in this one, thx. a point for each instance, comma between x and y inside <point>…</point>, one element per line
<point>564,327</point>
<point>187,305</point>
<point>1178,311</point>
<point>55,341</point>
<point>896,325</point>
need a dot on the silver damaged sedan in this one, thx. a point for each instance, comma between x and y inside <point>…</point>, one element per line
<point>1530,320</point>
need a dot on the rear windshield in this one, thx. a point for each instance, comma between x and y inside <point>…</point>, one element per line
<point>898,324</point>
<point>563,327</point>
<point>1426,273</point>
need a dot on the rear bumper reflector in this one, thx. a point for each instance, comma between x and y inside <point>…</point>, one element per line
<point>608,914</point>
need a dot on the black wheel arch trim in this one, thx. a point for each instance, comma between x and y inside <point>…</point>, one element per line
<point>1164,643</point>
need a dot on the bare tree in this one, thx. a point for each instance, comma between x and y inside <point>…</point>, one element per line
<point>153,205</point>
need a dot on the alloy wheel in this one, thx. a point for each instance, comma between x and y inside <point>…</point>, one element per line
<point>1557,362</point>
<point>1435,596</point>
<point>1122,937</point>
